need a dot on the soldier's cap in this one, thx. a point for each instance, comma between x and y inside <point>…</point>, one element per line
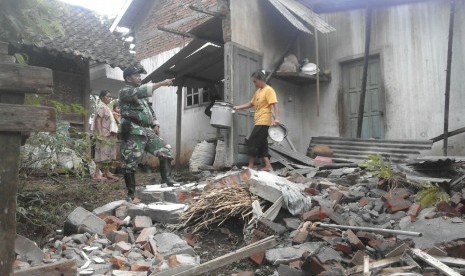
<point>133,70</point>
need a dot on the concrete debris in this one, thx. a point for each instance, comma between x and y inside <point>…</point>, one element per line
<point>330,220</point>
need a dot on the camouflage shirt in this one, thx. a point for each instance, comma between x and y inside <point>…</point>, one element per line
<point>136,109</point>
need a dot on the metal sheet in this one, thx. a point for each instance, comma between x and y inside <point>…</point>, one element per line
<point>396,151</point>
<point>307,15</point>
<point>289,16</point>
<point>292,155</point>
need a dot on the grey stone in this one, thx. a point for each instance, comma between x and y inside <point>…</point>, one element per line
<point>404,222</point>
<point>101,268</point>
<point>326,254</point>
<point>79,238</point>
<point>134,255</point>
<point>374,213</point>
<point>285,270</point>
<point>273,226</point>
<point>292,223</point>
<point>81,217</point>
<point>28,249</point>
<point>398,215</point>
<point>109,208</point>
<point>366,216</point>
<point>128,273</point>
<point>285,255</point>
<point>425,212</point>
<point>164,213</point>
<point>136,210</point>
<point>146,196</point>
<point>170,244</point>
<point>377,193</point>
<point>435,231</point>
<point>141,222</point>
<point>104,242</point>
<point>184,261</point>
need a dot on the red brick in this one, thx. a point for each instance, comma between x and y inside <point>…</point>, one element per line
<point>313,265</point>
<point>397,193</point>
<point>395,204</point>
<point>257,258</point>
<point>117,236</point>
<point>354,240</point>
<point>141,222</point>
<point>363,201</point>
<point>300,237</point>
<point>375,243</point>
<point>118,261</point>
<point>335,196</point>
<point>113,220</point>
<point>460,208</point>
<point>456,249</point>
<point>296,264</point>
<point>140,266</point>
<point>311,191</point>
<point>414,211</point>
<point>108,228</point>
<point>320,161</point>
<point>436,252</point>
<point>444,207</point>
<point>145,234</point>
<point>190,239</point>
<point>343,247</point>
<point>315,214</point>
<point>357,259</point>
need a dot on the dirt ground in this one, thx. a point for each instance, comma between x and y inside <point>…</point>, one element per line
<point>45,202</point>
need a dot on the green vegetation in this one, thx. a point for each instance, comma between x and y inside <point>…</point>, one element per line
<point>431,194</point>
<point>384,171</point>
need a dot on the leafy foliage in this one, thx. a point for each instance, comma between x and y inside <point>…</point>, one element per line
<point>431,194</point>
<point>23,19</point>
<point>376,164</point>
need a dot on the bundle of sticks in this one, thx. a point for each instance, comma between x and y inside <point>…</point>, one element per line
<point>216,206</point>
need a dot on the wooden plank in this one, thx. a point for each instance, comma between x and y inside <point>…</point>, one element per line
<point>9,162</point>
<point>451,261</point>
<point>21,78</point>
<point>433,262</point>
<point>62,268</point>
<point>18,118</point>
<point>231,257</point>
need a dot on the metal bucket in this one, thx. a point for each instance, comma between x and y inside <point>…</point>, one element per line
<point>222,116</point>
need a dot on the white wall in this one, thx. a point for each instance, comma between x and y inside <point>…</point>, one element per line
<point>412,43</point>
<point>195,124</point>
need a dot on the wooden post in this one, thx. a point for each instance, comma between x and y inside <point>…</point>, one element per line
<point>179,125</point>
<point>448,71</point>
<point>15,80</point>
<point>361,107</point>
<point>315,33</point>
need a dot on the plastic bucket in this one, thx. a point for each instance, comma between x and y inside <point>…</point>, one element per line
<point>222,116</point>
<point>277,133</point>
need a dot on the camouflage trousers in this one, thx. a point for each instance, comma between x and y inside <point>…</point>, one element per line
<point>132,150</point>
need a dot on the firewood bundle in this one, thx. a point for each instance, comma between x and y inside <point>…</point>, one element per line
<point>216,206</point>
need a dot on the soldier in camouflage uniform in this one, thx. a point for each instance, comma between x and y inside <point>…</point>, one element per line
<point>140,129</point>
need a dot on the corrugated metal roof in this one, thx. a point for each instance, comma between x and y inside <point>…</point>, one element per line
<point>396,151</point>
<point>297,156</point>
<point>307,15</point>
<point>289,16</point>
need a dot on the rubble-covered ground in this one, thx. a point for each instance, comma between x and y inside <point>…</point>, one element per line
<point>339,221</point>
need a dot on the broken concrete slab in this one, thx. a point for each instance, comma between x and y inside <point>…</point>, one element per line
<point>165,213</point>
<point>176,264</point>
<point>435,231</point>
<point>292,223</point>
<point>285,270</point>
<point>80,217</point>
<point>141,222</point>
<point>170,244</point>
<point>286,255</point>
<point>128,273</point>
<point>28,249</point>
<point>145,234</point>
<point>327,254</point>
<point>109,208</point>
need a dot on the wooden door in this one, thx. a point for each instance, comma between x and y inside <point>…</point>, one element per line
<point>240,63</point>
<point>373,117</point>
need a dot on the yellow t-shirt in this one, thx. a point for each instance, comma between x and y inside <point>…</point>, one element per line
<point>262,101</point>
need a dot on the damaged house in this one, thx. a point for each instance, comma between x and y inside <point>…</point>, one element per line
<point>218,44</point>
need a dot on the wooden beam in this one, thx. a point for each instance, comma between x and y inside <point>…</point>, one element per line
<point>21,78</point>
<point>433,262</point>
<point>374,265</point>
<point>451,261</point>
<point>61,268</point>
<point>449,134</point>
<point>232,257</point>
<point>179,123</point>
<point>23,118</point>
<point>212,13</point>
<point>448,74</point>
<point>361,106</point>
<point>176,32</point>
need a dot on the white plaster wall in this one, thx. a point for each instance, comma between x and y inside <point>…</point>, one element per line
<point>412,43</point>
<point>195,124</point>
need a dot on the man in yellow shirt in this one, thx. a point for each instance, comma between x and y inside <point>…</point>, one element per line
<point>264,101</point>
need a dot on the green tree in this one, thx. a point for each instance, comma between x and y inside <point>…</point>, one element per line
<point>20,19</point>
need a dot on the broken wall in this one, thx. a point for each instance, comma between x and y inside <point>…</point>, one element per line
<point>412,43</point>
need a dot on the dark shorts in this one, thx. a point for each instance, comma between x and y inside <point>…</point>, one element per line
<point>257,144</point>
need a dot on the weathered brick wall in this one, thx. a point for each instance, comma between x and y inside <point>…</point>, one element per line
<point>173,14</point>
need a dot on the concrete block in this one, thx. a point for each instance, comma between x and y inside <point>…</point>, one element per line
<point>28,249</point>
<point>148,196</point>
<point>146,234</point>
<point>233,179</point>
<point>81,217</point>
<point>179,196</point>
<point>357,259</point>
<point>122,247</point>
<point>141,222</point>
<point>271,228</point>
<point>285,255</point>
<point>169,244</point>
<point>327,254</point>
<point>354,240</point>
<point>109,208</point>
<point>118,236</point>
<point>121,212</point>
<point>165,213</point>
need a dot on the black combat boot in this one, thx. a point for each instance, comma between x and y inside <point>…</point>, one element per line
<point>165,171</point>
<point>130,180</point>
